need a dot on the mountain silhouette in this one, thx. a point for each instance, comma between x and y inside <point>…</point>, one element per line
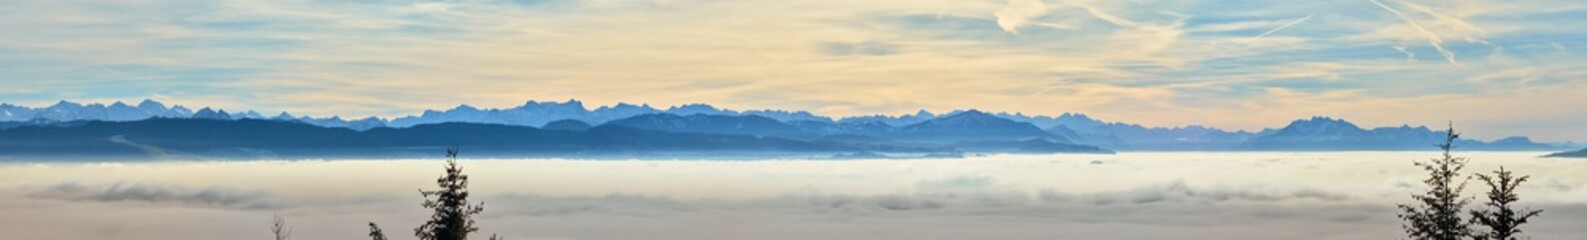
<point>1572,154</point>
<point>158,137</point>
<point>857,128</point>
<point>1323,133</point>
<point>566,125</point>
<point>922,128</point>
<point>749,125</point>
<point>973,126</point>
<point>1026,146</point>
<point>896,121</point>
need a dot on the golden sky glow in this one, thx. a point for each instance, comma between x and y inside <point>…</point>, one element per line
<point>1495,67</point>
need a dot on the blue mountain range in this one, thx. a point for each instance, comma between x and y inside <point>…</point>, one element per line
<point>1322,133</point>
<point>173,138</point>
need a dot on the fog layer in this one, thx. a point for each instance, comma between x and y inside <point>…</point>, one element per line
<point>1345,195</point>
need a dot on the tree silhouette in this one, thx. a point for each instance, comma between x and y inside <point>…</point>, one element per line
<point>453,218</point>
<point>1502,220</point>
<point>278,226</point>
<point>375,233</point>
<point>1437,214</point>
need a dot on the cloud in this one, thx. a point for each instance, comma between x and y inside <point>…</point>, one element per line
<point>868,48</point>
<point>616,204</point>
<point>1179,191</point>
<point>1454,21</point>
<point>1432,38</point>
<point>431,7</point>
<point>1109,17</point>
<point>1019,13</point>
<point>1131,196</point>
<point>1282,27</point>
<point>1409,56</point>
<point>956,183</point>
<point>953,194</point>
<point>160,194</point>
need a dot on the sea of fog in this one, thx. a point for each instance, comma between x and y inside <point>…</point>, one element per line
<point>1171,195</point>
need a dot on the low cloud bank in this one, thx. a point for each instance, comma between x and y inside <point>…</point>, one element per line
<point>954,194</point>
<point>1133,196</point>
<point>959,207</point>
<point>160,194</point>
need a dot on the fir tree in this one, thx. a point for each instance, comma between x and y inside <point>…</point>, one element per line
<point>375,233</point>
<point>1436,216</point>
<point>278,226</point>
<point>1502,220</point>
<point>453,218</point>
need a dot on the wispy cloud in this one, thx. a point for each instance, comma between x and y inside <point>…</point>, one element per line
<point>1409,56</point>
<point>1109,17</point>
<point>1282,27</point>
<point>1454,21</point>
<point>1019,13</point>
<point>1432,38</point>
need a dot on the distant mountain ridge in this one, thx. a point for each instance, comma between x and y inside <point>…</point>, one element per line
<point>66,111</point>
<point>170,138</point>
<point>1572,154</point>
<point>567,125</point>
<point>536,114</point>
<point>974,126</point>
<point>531,113</point>
<point>748,125</point>
<point>1323,133</point>
<point>1318,133</point>
<point>70,111</point>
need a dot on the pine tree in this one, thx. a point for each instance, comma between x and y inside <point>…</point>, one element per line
<point>1502,220</point>
<point>375,233</point>
<point>278,226</point>
<point>453,218</point>
<point>1437,214</point>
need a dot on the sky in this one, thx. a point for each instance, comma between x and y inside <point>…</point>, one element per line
<point>1495,67</point>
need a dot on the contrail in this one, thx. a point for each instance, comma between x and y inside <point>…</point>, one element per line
<point>1431,38</point>
<point>1409,56</point>
<point>107,70</point>
<point>1451,19</point>
<point>1286,25</point>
